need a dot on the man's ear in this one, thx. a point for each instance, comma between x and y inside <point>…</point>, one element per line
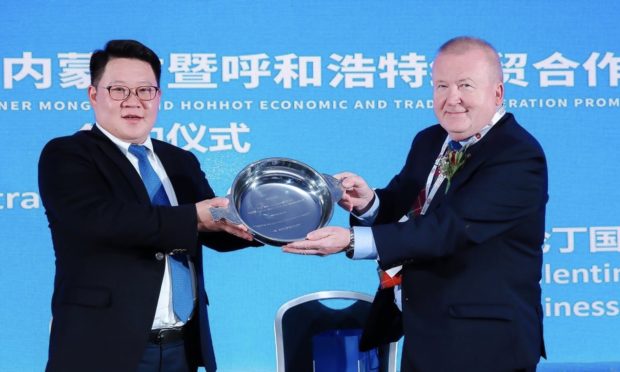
<point>92,95</point>
<point>499,94</point>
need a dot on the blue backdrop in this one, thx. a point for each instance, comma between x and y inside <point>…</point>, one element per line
<point>341,86</point>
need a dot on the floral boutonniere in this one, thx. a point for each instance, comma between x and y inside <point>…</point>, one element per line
<point>450,162</point>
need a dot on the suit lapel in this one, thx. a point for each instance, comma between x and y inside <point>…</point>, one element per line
<point>482,150</point>
<point>127,171</point>
<point>478,153</point>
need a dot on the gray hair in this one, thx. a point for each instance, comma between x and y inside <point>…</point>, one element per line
<point>462,44</point>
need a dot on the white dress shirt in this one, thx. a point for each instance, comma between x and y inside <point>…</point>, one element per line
<point>164,314</point>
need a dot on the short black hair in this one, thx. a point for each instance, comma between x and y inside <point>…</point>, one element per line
<point>122,49</point>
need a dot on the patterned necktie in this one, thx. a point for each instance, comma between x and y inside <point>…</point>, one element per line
<point>182,298</point>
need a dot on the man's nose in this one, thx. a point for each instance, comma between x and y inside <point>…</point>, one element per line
<point>132,99</point>
<point>453,96</point>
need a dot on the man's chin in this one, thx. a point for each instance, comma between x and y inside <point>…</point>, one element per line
<point>137,135</point>
<point>456,128</point>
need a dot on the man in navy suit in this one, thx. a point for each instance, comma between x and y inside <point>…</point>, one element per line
<point>467,261</point>
<point>112,306</point>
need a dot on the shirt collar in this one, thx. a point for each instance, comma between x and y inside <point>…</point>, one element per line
<point>501,111</point>
<point>122,145</point>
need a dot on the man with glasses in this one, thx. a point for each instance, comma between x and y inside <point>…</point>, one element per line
<point>128,215</point>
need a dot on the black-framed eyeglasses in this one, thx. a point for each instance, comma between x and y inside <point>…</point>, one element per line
<point>121,92</point>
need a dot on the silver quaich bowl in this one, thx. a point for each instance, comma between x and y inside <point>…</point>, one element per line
<point>280,200</point>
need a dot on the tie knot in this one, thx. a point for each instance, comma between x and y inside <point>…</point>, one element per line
<point>138,150</point>
<point>455,145</point>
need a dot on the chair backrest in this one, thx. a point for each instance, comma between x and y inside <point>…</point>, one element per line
<point>299,320</point>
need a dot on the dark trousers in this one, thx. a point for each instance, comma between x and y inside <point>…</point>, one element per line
<point>167,357</point>
<point>406,367</point>
<point>529,369</point>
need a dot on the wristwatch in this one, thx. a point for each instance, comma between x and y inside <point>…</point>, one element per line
<point>349,250</point>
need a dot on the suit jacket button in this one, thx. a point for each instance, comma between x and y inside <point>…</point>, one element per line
<point>159,256</point>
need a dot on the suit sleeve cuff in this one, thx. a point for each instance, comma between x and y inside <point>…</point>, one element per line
<point>369,216</point>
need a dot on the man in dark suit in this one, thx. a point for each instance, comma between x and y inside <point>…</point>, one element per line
<point>470,252</point>
<point>128,215</point>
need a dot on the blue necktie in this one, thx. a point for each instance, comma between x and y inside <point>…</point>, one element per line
<point>182,298</point>
<point>455,145</point>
